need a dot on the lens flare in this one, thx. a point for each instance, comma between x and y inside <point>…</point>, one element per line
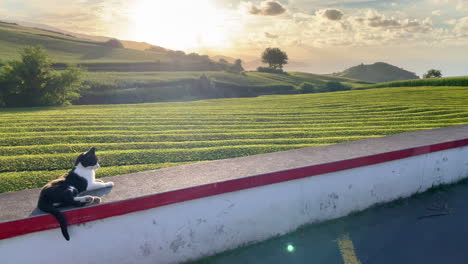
<point>290,248</point>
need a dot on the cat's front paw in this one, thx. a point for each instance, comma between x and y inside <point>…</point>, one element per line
<point>88,199</point>
<point>96,200</point>
<point>109,184</point>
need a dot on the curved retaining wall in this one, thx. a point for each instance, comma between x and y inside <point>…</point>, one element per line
<point>229,203</point>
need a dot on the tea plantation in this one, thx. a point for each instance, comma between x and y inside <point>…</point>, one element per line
<point>39,144</point>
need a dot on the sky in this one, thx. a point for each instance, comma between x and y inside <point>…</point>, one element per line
<point>319,36</point>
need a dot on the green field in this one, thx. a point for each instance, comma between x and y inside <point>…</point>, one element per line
<point>39,144</point>
<point>119,75</point>
<point>143,87</point>
<point>448,81</point>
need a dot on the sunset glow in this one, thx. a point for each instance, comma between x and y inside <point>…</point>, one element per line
<point>178,24</point>
<point>319,36</point>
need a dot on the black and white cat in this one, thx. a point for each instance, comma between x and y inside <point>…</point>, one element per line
<point>64,190</point>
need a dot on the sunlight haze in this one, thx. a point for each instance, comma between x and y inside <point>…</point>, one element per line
<point>319,36</point>
<point>178,24</point>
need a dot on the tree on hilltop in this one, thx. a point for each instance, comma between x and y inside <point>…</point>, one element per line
<point>156,49</point>
<point>237,67</point>
<point>275,58</point>
<point>113,43</point>
<point>432,73</point>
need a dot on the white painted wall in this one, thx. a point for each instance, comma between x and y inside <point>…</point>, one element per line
<point>192,229</point>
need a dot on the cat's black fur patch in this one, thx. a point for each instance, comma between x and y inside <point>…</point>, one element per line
<point>88,158</point>
<point>64,189</point>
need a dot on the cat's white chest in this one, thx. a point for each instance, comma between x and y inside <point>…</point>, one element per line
<point>90,176</point>
<point>85,173</point>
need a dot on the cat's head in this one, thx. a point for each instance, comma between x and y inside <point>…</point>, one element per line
<point>88,159</point>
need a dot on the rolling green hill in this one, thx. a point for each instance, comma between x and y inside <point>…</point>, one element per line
<point>134,79</point>
<point>65,48</point>
<point>119,75</point>
<point>39,144</point>
<point>96,56</point>
<point>141,87</point>
<point>377,72</point>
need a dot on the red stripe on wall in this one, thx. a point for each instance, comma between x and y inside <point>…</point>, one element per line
<point>82,215</point>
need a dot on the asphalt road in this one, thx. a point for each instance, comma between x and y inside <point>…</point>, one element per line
<point>426,228</point>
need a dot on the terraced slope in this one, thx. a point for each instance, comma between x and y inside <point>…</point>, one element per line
<point>148,87</point>
<point>38,144</point>
<point>119,80</point>
<point>448,81</point>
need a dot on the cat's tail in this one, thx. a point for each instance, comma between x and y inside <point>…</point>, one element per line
<point>49,208</point>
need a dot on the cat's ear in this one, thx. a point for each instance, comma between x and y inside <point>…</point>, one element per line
<point>92,150</point>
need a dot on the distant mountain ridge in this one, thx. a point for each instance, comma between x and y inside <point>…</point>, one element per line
<point>377,72</point>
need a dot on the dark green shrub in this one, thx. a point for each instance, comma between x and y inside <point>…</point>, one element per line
<point>333,86</point>
<point>307,87</point>
<point>269,70</point>
<point>113,43</point>
<point>321,89</point>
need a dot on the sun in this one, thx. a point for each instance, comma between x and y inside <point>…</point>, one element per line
<point>178,24</point>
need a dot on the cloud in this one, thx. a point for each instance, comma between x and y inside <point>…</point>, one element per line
<point>376,20</point>
<point>437,12</point>
<point>451,22</point>
<point>461,27</point>
<point>331,14</point>
<point>362,28</point>
<point>271,36</point>
<point>460,5</point>
<point>99,17</point>
<point>267,8</point>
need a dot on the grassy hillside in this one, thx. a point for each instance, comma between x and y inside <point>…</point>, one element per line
<point>38,144</point>
<point>64,48</point>
<point>133,79</point>
<point>138,87</point>
<point>119,75</point>
<point>95,55</point>
<point>377,72</point>
<point>449,81</point>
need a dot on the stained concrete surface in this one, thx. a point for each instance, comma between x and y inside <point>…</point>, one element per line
<point>427,228</point>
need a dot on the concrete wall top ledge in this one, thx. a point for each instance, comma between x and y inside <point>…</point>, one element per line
<point>177,184</point>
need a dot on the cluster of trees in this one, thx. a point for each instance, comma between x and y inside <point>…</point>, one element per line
<point>32,81</point>
<point>203,60</point>
<point>330,86</point>
<point>113,43</point>
<point>235,67</point>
